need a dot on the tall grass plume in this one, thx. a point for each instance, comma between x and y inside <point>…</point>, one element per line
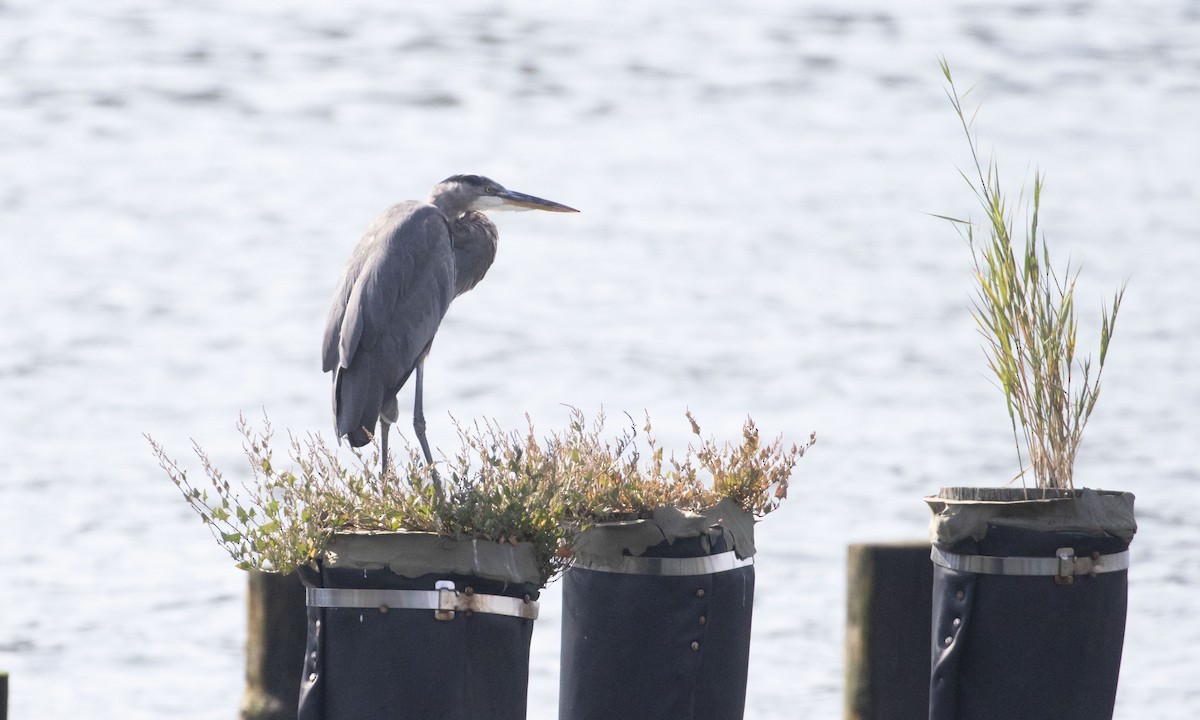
<point>1025,312</point>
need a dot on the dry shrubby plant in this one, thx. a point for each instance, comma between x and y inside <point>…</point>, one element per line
<point>1026,314</point>
<point>501,486</point>
<point>611,481</point>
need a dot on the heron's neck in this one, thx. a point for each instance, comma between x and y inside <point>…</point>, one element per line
<point>475,241</point>
<point>452,207</point>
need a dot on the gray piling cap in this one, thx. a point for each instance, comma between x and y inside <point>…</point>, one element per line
<point>966,512</point>
<point>606,543</point>
<point>412,554</point>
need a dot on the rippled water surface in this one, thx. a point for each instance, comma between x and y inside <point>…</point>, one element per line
<point>180,183</point>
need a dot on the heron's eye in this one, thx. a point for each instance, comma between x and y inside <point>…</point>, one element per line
<point>492,190</point>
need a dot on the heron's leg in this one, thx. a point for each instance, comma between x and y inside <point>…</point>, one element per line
<point>419,412</point>
<point>419,424</point>
<point>384,426</point>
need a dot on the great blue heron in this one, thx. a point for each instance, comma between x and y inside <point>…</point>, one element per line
<point>413,260</point>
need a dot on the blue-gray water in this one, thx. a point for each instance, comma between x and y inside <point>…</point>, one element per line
<point>181,181</point>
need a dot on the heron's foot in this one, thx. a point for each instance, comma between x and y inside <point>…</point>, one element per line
<point>437,481</point>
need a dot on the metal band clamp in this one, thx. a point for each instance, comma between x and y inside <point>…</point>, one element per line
<point>444,601</point>
<point>1064,566</point>
<point>707,565</point>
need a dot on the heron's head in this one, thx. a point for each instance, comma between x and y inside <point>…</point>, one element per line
<point>463,193</point>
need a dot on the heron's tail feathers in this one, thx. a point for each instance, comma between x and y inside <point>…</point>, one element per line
<point>358,437</point>
<point>356,406</point>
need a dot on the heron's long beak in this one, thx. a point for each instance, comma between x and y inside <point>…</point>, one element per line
<point>521,201</point>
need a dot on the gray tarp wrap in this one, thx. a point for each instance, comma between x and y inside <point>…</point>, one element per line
<point>412,554</point>
<point>607,542</point>
<point>962,513</point>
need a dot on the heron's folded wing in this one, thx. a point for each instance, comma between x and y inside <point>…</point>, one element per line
<point>403,281</point>
<point>337,311</point>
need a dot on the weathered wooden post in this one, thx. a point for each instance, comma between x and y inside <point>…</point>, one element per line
<point>3,696</point>
<point>888,626</point>
<point>276,631</point>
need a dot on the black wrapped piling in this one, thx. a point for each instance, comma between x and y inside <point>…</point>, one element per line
<point>662,633</point>
<point>1030,595</point>
<point>370,657</point>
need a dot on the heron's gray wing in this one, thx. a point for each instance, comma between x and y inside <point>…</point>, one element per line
<point>402,289</point>
<point>337,309</point>
<point>381,266</point>
<point>397,287</point>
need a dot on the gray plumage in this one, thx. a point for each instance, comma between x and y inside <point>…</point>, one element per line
<point>414,259</point>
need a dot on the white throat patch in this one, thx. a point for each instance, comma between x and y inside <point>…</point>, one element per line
<point>491,203</point>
